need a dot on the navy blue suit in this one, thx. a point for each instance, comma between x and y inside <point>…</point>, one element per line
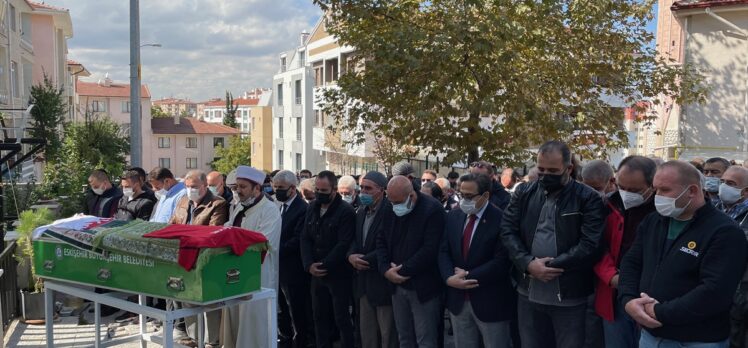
<point>487,261</point>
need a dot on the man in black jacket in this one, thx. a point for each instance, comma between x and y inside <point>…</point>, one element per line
<point>102,198</point>
<point>328,233</point>
<point>293,324</point>
<point>136,203</point>
<point>680,275</point>
<point>475,267</point>
<point>372,290</point>
<point>499,196</point>
<point>407,251</point>
<point>552,230</point>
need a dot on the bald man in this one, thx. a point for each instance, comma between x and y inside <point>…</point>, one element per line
<point>407,255</point>
<point>217,186</point>
<point>449,201</point>
<point>678,279</point>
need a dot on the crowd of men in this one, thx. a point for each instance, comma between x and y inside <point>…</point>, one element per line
<point>649,254</point>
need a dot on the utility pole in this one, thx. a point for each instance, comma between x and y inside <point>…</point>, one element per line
<point>136,143</point>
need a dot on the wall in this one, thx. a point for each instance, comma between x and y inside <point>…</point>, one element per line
<point>43,36</point>
<point>262,138</point>
<point>178,151</point>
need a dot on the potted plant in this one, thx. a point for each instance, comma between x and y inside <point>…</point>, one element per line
<point>32,299</point>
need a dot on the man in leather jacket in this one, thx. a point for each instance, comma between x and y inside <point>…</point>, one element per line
<point>552,230</point>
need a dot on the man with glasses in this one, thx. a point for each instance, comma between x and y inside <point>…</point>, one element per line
<point>499,195</point>
<point>329,227</point>
<point>475,267</point>
<point>377,324</point>
<point>428,176</point>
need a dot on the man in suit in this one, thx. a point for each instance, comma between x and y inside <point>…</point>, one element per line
<point>328,233</point>
<point>475,267</point>
<point>407,251</point>
<point>295,326</point>
<point>200,207</point>
<point>372,291</point>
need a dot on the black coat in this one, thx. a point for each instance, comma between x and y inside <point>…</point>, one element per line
<point>694,280</point>
<point>371,283</point>
<point>140,207</point>
<point>493,300</point>
<point>580,220</point>
<point>104,205</point>
<point>499,196</point>
<point>413,242</point>
<point>291,267</point>
<point>326,239</point>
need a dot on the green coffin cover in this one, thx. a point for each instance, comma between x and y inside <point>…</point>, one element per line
<point>218,274</point>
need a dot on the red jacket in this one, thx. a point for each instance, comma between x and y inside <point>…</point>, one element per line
<point>606,268</point>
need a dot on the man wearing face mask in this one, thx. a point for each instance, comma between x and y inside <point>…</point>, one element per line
<point>347,191</point>
<point>679,276</point>
<point>475,266</point>
<point>627,207</point>
<point>294,319</point>
<point>216,185</point>
<point>246,325</point>
<point>733,195</point>
<point>552,230</point>
<point>167,190</point>
<point>371,289</point>
<point>135,202</point>
<point>328,233</point>
<point>198,206</point>
<point>407,250</point>
<point>714,168</point>
<point>103,197</point>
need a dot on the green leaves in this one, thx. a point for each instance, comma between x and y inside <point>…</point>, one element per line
<point>229,119</point>
<point>235,154</point>
<point>48,115</point>
<point>454,77</point>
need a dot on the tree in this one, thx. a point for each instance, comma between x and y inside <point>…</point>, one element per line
<point>389,151</point>
<point>48,115</point>
<point>229,119</point>
<point>157,112</point>
<point>88,145</point>
<point>494,78</point>
<point>237,153</point>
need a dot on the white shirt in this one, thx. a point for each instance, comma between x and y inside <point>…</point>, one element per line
<point>478,216</point>
<point>287,203</point>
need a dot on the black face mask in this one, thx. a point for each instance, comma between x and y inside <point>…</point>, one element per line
<point>281,195</point>
<point>552,182</point>
<point>323,198</point>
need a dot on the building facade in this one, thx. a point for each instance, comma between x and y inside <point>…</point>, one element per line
<point>213,111</point>
<point>16,57</point>
<point>177,107</point>
<point>182,144</point>
<point>711,36</point>
<point>261,133</point>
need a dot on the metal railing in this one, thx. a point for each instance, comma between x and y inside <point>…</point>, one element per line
<point>9,295</point>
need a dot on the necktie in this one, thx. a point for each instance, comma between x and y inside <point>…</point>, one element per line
<point>283,209</point>
<point>467,235</point>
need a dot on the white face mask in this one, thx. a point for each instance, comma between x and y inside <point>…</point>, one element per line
<point>160,193</point>
<point>468,206</point>
<point>729,194</point>
<point>402,209</point>
<point>128,192</point>
<point>711,184</point>
<point>347,198</point>
<point>213,189</point>
<point>631,199</point>
<point>193,194</point>
<point>666,205</point>
<point>98,191</point>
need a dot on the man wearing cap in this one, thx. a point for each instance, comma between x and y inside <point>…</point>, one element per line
<point>247,325</point>
<point>406,169</point>
<point>372,290</point>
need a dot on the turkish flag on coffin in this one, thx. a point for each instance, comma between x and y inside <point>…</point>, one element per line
<point>193,238</point>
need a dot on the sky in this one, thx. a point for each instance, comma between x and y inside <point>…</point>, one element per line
<point>208,46</point>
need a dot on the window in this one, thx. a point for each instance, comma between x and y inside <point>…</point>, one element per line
<point>192,142</point>
<point>126,107</point>
<point>283,63</point>
<point>218,142</point>
<point>280,94</point>
<point>280,159</point>
<point>298,162</point>
<point>298,128</point>
<point>298,92</point>
<point>164,142</point>
<point>164,163</point>
<point>12,16</point>
<point>280,127</point>
<point>302,58</point>
<point>253,147</point>
<point>14,78</point>
<point>252,123</point>
<point>191,162</point>
<point>98,106</point>
<point>207,114</point>
<point>316,117</point>
<point>318,76</point>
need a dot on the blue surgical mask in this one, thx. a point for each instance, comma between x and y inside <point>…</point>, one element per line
<point>213,189</point>
<point>402,209</point>
<point>366,199</point>
<point>711,184</point>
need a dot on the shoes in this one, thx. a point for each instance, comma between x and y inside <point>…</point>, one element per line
<point>187,342</point>
<point>179,334</point>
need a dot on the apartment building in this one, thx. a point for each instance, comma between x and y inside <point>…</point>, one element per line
<point>213,111</point>
<point>177,107</point>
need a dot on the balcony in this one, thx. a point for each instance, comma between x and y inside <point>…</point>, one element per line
<point>26,45</point>
<point>4,96</point>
